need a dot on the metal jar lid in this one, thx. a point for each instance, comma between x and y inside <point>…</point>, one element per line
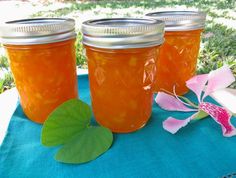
<point>123,33</point>
<point>180,20</point>
<point>37,31</point>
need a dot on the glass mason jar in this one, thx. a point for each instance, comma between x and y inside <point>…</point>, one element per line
<point>178,55</point>
<point>41,55</point>
<point>122,55</point>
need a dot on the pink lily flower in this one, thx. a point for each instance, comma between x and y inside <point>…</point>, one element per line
<point>215,80</point>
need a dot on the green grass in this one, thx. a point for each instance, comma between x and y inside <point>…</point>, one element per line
<point>218,48</point>
<point>7,81</point>
<point>80,56</point>
<point>3,62</point>
<point>206,5</point>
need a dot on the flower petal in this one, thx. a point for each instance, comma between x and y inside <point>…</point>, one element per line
<point>221,116</point>
<point>197,84</point>
<point>172,125</point>
<point>170,103</point>
<point>219,79</point>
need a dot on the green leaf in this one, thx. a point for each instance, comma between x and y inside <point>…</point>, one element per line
<point>65,121</point>
<point>69,125</point>
<point>200,115</point>
<point>86,145</point>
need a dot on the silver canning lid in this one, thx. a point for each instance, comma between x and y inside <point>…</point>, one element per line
<point>37,31</point>
<point>123,33</point>
<point>180,20</point>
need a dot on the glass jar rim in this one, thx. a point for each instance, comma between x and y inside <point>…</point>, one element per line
<point>180,20</point>
<point>122,33</point>
<point>37,31</point>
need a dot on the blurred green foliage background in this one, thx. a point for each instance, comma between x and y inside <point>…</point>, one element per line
<point>218,45</point>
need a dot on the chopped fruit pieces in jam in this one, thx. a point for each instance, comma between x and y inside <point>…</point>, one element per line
<point>121,84</point>
<point>45,76</point>
<point>177,60</point>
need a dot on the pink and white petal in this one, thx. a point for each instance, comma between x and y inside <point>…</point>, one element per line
<point>197,84</point>
<point>221,116</point>
<point>219,79</point>
<point>170,103</point>
<point>172,125</point>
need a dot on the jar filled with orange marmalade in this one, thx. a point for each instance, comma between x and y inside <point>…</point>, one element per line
<point>178,55</point>
<point>122,55</point>
<point>41,54</point>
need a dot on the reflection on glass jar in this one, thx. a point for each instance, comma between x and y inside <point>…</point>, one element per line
<point>178,55</point>
<point>44,67</point>
<point>122,72</point>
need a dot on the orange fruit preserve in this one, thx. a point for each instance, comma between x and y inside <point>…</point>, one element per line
<point>41,55</point>
<point>177,61</point>
<point>45,76</point>
<point>121,84</point>
<point>178,56</point>
<point>122,56</point>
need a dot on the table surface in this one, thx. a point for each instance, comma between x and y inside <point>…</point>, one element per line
<point>9,101</point>
<point>199,150</point>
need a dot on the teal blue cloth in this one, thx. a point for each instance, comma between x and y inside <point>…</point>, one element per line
<point>198,150</point>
